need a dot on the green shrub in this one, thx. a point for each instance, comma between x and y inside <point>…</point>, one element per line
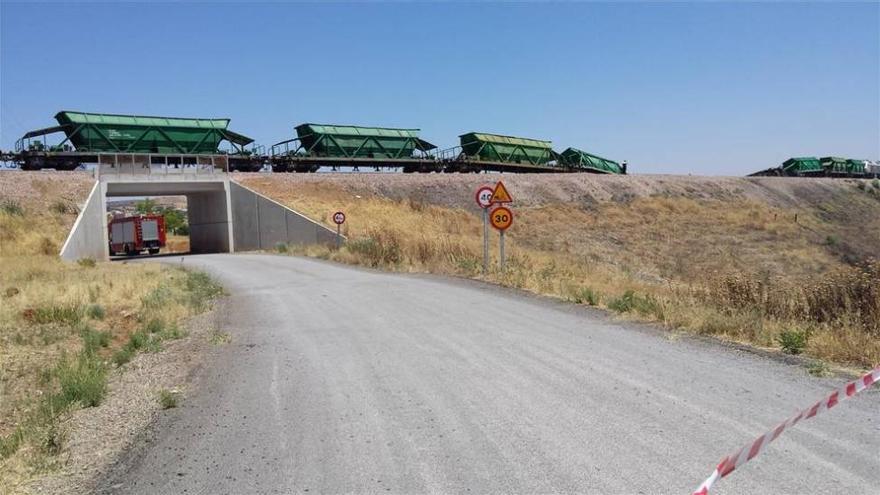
<point>792,341</point>
<point>585,295</point>
<point>157,298</point>
<point>281,247</point>
<point>876,183</point>
<point>123,355</point>
<point>201,288</point>
<point>83,380</point>
<point>154,326</point>
<point>11,207</point>
<point>94,340</point>
<point>70,314</point>
<point>632,302</point>
<point>167,399</point>
<point>63,208</point>
<point>384,250</point>
<point>96,312</point>
<point>86,262</point>
<point>831,240</point>
<point>10,443</point>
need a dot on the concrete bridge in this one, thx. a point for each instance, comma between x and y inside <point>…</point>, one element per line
<point>224,216</point>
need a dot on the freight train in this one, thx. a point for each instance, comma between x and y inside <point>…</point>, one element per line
<point>829,166</point>
<point>109,139</point>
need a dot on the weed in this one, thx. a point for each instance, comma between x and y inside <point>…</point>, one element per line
<point>69,314</point>
<point>818,368</point>
<point>11,207</point>
<point>585,295</point>
<point>94,340</point>
<point>876,183</point>
<point>96,312</point>
<point>219,338</point>
<point>83,380</point>
<point>168,398</point>
<point>792,341</point>
<point>632,302</point>
<point>10,443</point>
<point>281,247</point>
<point>86,262</point>
<point>201,288</point>
<point>157,298</point>
<point>63,208</point>
<point>831,240</point>
<point>154,326</point>
<point>172,332</point>
<point>123,355</point>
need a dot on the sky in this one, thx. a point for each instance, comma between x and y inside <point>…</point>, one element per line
<point>684,88</point>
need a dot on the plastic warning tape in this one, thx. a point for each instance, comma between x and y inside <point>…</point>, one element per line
<point>751,450</point>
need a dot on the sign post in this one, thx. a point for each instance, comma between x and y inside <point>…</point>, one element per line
<point>484,201</point>
<point>501,219</point>
<point>338,219</point>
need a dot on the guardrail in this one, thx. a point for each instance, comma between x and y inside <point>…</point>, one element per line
<point>116,164</point>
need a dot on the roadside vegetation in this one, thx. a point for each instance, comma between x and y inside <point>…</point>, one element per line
<point>739,269</point>
<point>66,328</point>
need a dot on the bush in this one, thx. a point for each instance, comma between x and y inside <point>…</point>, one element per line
<point>86,262</point>
<point>83,380</point>
<point>123,355</point>
<point>94,340</point>
<point>154,326</point>
<point>380,249</point>
<point>585,295</point>
<point>67,314</point>
<point>792,341</point>
<point>11,207</point>
<point>632,302</point>
<point>876,183</point>
<point>281,247</point>
<point>63,208</point>
<point>167,399</point>
<point>96,312</point>
<point>201,288</point>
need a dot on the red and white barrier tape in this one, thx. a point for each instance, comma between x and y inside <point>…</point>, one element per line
<point>750,451</point>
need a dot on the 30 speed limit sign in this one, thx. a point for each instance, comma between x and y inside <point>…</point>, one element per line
<point>501,218</point>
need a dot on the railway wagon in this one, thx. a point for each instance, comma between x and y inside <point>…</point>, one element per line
<point>134,235</point>
<point>498,148</point>
<point>578,160</point>
<point>87,135</point>
<point>335,145</point>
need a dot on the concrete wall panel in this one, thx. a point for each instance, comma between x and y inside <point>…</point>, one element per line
<point>260,223</point>
<point>88,237</point>
<point>208,222</point>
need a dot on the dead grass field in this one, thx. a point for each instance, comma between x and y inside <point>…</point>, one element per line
<point>777,263</point>
<point>64,327</point>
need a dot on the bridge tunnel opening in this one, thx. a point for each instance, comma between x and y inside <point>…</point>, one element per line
<point>196,215</point>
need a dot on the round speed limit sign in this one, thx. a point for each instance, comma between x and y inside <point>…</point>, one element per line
<point>484,196</point>
<point>501,218</point>
<point>339,218</point>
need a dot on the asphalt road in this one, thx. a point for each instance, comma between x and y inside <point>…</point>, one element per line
<point>340,380</point>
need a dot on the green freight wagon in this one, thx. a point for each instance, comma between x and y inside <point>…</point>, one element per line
<point>506,149</point>
<point>835,165</point>
<point>806,165</point>
<point>856,167</point>
<point>347,141</point>
<point>581,160</point>
<point>108,133</point>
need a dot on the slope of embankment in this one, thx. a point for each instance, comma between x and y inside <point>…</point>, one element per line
<point>777,262</point>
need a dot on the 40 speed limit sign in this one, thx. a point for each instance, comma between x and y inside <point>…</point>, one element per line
<point>501,218</point>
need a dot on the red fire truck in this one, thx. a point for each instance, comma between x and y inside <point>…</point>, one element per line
<point>133,235</point>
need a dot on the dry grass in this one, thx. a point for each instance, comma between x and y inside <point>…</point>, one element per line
<point>62,326</point>
<point>744,269</point>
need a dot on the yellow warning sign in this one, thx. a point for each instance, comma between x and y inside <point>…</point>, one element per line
<point>500,195</point>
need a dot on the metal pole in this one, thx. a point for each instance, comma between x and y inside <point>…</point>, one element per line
<point>485,240</point>
<point>338,237</point>
<point>501,249</point>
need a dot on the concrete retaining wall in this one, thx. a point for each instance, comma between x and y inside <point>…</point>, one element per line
<point>208,217</point>
<point>260,223</point>
<point>88,237</point>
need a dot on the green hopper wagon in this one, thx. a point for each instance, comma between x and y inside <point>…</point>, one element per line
<point>107,133</point>
<point>838,166</point>
<point>856,167</point>
<point>805,165</point>
<point>345,141</point>
<point>581,160</point>
<point>506,149</point>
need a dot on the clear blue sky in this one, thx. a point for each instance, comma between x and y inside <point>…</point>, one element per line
<point>702,88</point>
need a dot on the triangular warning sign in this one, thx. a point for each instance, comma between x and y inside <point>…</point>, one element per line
<point>500,195</point>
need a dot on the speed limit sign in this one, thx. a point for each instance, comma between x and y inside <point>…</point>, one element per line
<point>501,218</point>
<point>339,218</point>
<point>484,196</point>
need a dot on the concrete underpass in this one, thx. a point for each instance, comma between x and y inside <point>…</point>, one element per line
<point>223,215</point>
